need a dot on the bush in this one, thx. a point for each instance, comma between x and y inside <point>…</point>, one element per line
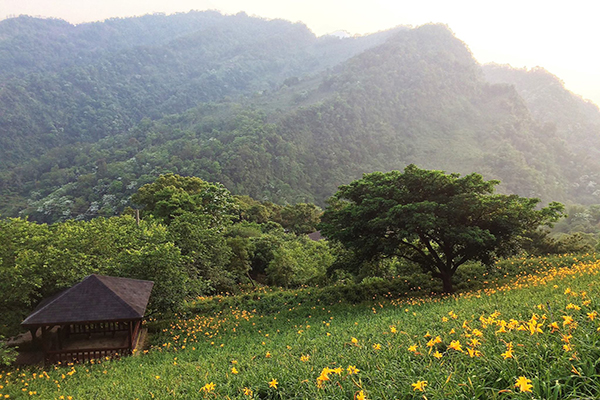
<point>8,355</point>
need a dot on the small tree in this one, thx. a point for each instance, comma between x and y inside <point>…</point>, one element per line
<point>438,221</point>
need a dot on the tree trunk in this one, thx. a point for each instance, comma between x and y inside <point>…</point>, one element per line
<point>447,283</point>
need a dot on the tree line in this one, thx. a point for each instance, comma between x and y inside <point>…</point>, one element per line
<point>194,239</point>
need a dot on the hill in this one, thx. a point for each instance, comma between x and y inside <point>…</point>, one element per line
<point>534,336</point>
<point>62,83</point>
<point>277,114</point>
<point>575,120</point>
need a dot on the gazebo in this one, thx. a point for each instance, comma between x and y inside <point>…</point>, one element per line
<point>98,317</point>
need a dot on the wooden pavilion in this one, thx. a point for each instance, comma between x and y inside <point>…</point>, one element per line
<point>98,317</point>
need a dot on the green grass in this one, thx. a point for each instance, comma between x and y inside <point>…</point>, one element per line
<point>196,350</point>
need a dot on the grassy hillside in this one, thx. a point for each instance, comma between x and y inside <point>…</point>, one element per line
<point>539,330</point>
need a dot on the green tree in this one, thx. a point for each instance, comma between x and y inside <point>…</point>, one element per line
<point>300,262</point>
<point>205,248</point>
<point>301,218</point>
<point>172,195</point>
<point>37,261</point>
<point>438,221</point>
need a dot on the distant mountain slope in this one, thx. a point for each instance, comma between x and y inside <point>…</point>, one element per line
<point>62,83</point>
<point>576,120</point>
<point>417,97</point>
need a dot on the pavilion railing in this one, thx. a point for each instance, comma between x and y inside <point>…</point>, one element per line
<point>100,327</point>
<point>73,355</point>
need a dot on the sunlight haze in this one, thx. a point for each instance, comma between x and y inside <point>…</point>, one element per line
<point>556,36</point>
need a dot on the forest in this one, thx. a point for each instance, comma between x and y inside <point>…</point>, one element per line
<point>105,108</point>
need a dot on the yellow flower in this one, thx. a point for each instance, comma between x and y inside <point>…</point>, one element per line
<point>523,384</point>
<point>234,371</point>
<point>420,385</point>
<point>534,327</point>
<point>376,346</point>
<point>554,327</point>
<point>393,329</point>
<point>304,358</point>
<point>354,340</point>
<point>273,383</point>
<point>247,391</point>
<point>477,332</point>
<point>268,355</point>
<point>413,348</point>
<point>437,354</point>
<point>455,344</point>
<point>568,320</point>
<point>507,354</point>
<point>209,387</point>
<point>352,370</point>
<point>592,315</point>
<point>473,352</point>
<point>361,395</point>
<point>324,374</point>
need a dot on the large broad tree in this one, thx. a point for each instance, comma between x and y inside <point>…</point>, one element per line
<point>438,221</point>
<point>172,195</point>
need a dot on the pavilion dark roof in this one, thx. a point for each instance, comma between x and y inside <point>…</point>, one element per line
<point>96,298</point>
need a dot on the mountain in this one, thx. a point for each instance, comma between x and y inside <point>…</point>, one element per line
<point>273,112</point>
<point>576,120</point>
<point>63,83</point>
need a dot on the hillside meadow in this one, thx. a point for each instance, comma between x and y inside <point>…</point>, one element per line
<point>532,336</point>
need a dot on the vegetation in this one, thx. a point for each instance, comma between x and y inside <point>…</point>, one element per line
<point>193,239</point>
<point>228,133</point>
<point>533,337</point>
<point>260,112</point>
<point>437,221</point>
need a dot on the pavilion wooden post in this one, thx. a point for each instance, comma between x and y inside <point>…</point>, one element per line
<point>131,335</point>
<point>33,332</point>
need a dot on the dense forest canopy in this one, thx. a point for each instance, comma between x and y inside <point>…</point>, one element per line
<point>269,110</point>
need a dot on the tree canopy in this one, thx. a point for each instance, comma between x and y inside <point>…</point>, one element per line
<point>172,195</point>
<point>438,221</point>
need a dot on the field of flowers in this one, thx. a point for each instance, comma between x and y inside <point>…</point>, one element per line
<point>534,337</point>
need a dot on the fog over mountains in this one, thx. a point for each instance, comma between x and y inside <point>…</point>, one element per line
<point>89,113</point>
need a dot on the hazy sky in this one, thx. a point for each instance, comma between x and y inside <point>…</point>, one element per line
<point>560,36</point>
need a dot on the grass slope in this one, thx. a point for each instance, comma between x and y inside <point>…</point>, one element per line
<point>542,327</point>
